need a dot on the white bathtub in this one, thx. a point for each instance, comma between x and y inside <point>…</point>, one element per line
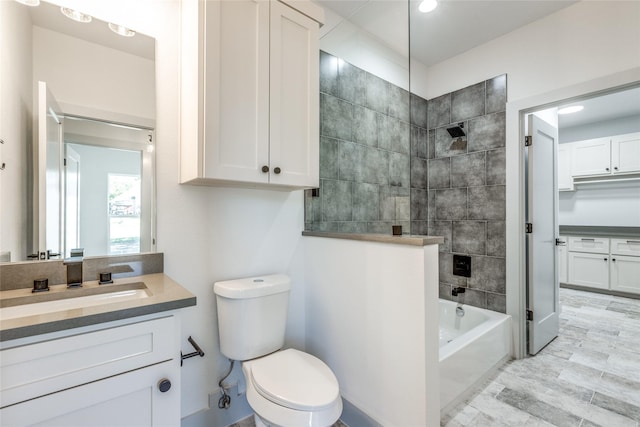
<point>472,347</point>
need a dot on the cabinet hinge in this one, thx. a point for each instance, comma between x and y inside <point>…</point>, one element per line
<point>528,228</point>
<point>528,140</point>
<point>529,314</point>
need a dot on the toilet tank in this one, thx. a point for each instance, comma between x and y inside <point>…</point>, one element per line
<point>252,315</point>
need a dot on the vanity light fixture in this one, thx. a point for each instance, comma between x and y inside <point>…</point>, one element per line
<point>571,109</point>
<point>75,15</point>
<point>427,6</point>
<point>32,3</point>
<point>120,30</point>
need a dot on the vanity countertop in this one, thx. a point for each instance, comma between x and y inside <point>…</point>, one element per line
<point>600,231</point>
<point>405,239</point>
<point>165,294</point>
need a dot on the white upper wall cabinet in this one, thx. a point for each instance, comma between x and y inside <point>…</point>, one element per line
<point>615,155</point>
<point>565,177</point>
<point>625,153</point>
<point>250,94</point>
<point>591,157</point>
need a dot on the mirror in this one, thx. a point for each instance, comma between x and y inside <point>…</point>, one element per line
<point>104,84</point>
<point>365,125</point>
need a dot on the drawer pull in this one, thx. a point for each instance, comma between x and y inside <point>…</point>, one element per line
<point>633,242</point>
<point>588,240</point>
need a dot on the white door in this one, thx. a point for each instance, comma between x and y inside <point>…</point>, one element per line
<point>542,213</point>
<point>48,186</point>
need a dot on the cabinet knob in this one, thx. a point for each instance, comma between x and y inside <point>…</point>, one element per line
<point>265,169</point>
<point>605,259</point>
<point>277,170</point>
<point>615,168</point>
<point>607,169</point>
<point>164,385</point>
<point>613,259</point>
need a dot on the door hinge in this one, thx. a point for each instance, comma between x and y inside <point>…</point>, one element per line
<point>528,228</point>
<point>528,140</point>
<point>64,162</point>
<point>529,314</point>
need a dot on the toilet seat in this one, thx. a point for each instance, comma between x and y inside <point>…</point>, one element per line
<point>295,380</point>
<point>292,388</point>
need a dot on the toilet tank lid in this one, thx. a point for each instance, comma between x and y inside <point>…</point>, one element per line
<point>253,287</point>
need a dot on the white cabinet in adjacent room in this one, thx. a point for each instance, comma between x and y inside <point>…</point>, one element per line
<point>591,157</point>
<point>589,269</point>
<point>625,265</point>
<point>565,176</point>
<point>250,93</point>
<point>625,153</point>
<point>563,275</point>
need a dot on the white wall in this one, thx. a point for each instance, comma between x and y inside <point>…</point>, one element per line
<point>578,43</point>
<point>617,126</point>
<point>15,127</point>
<point>80,73</point>
<point>207,234</point>
<point>372,316</point>
<point>607,204</point>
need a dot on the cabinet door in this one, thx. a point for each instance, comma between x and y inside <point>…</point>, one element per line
<point>236,90</point>
<point>591,157</point>
<point>625,273</point>
<point>565,178</point>
<point>294,102</point>
<point>588,269</point>
<point>625,153</point>
<point>131,399</point>
<point>563,275</point>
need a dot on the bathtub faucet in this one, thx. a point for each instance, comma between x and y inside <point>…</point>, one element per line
<point>458,290</point>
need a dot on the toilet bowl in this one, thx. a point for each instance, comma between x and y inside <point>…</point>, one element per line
<point>285,388</point>
<point>290,388</point>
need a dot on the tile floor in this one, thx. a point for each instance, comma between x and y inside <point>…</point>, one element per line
<point>588,376</point>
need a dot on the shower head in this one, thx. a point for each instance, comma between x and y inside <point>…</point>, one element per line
<point>456,131</point>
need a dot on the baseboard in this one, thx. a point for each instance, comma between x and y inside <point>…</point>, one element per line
<point>354,417</point>
<point>600,291</point>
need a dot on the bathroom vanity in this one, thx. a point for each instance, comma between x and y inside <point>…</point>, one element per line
<point>78,364</point>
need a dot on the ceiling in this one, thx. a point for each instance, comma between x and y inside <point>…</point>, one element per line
<point>49,16</point>
<point>615,105</point>
<point>454,27</point>
<point>457,26</point>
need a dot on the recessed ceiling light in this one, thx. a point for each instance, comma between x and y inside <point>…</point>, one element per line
<point>427,6</point>
<point>123,31</point>
<point>572,109</point>
<point>75,15</point>
<point>29,2</point>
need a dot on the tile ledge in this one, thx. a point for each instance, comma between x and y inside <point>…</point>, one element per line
<point>405,239</point>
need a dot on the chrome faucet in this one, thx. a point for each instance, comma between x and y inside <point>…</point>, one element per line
<point>74,268</point>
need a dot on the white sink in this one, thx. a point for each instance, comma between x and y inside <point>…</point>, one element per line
<point>68,301</point>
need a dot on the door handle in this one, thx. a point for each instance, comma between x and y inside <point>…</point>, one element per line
<point>560,242</point>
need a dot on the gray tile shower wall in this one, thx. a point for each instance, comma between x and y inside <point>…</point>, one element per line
<point>467,189</point>
<point>386,158</point>
<point>368,159</point>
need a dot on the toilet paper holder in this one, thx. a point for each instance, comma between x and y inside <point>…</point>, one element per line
<point>198,351</point>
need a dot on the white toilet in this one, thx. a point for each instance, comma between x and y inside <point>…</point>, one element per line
<point>285,388</point>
